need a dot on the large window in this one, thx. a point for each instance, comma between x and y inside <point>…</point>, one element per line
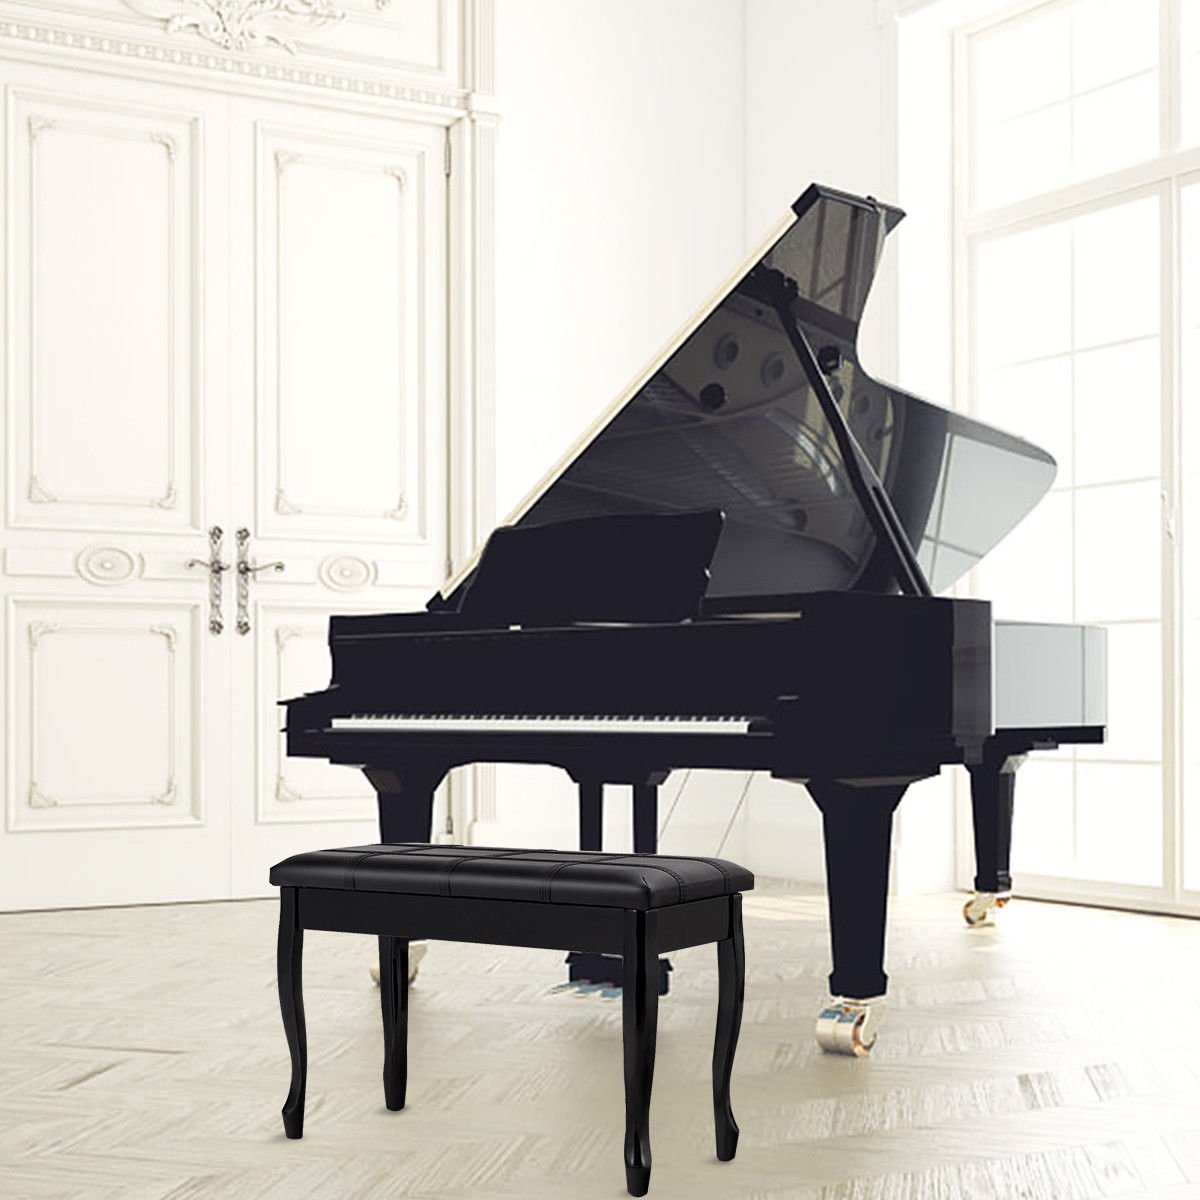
<point>1077,231</point>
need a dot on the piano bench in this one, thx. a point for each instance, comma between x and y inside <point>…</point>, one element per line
<point>625,904</point>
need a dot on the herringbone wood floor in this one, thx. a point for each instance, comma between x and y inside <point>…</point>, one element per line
<point>1056,1056</point>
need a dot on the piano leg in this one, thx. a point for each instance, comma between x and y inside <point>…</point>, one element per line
<point>858,843</point>
<point>585,968</point>
<point>405,797</point>
<point>993,782</point>
<point>591,814</point>
<point>406,800</point>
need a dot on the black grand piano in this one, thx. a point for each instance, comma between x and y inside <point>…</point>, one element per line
<point>737,568</point>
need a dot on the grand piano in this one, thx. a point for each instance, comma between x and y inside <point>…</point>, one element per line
<point>739,567</point>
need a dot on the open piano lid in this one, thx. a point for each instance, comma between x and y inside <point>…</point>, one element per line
<point>726,420</point>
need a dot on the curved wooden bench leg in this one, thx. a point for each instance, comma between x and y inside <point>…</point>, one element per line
<point>291,1005</point>
<point>393,994</point>
<point>639,1029</point>
<point>731,971</point>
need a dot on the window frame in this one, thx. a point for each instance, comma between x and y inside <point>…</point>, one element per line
<point>1166,174</point>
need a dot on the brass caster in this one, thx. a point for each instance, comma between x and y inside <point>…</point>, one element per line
<point>979,910</point>
<point>416,952</point>
<point>845,1027</point>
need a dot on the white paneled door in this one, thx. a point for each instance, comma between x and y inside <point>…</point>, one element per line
<point>339,401</point>
<point>227,313</point>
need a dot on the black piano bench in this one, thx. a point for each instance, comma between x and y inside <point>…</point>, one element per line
<point>632,905</point>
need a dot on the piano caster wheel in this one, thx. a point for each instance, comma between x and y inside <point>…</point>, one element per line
<point>844,1027</point>
<point>416,952</point>
<point>979,909</point>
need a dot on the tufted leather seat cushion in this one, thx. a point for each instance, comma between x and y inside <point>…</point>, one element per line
<point>638,881</point>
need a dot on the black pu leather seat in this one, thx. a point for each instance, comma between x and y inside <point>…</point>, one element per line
<point>633,881</point>
<point>631,906</point>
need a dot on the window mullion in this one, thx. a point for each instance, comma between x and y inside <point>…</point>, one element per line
<point>1173,632</point>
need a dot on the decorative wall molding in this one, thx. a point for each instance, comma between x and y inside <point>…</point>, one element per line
<point>329,154</point>
<point>241,24</point>
<point>36,796</point>
<point>39,125</point>
<point>377,87</point>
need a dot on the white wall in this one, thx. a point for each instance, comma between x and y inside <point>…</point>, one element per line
<point>643,148</point>
<point>619,208</point>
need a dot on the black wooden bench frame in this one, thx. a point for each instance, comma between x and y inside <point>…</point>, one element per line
<point>638,936</point>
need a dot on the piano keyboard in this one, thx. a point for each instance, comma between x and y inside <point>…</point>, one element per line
<point>551,723</point>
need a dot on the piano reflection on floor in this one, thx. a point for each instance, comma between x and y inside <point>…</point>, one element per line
<point>736,568</point>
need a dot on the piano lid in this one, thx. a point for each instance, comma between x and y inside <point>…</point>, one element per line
<point>727,420</point>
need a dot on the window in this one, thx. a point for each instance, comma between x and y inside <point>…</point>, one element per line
<point>1077,231</point>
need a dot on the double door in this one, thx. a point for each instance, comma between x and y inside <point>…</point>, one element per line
<point>225,338</point>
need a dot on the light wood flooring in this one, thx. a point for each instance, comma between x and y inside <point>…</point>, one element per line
<point>1055,1056</point>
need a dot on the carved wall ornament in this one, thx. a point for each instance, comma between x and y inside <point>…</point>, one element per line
<point>283,504</point>
<point>107,565</point>
<point>38,798</point>
<point>169,632</point>
<point>167,142</point>
<point>284,793</point>
<point>168,795</point>
<point>285,633</point>
<point>371,85</point>
<point>347,572</point>
<point>38,630</point>
<point>242,24</point>
<point>39,494</point>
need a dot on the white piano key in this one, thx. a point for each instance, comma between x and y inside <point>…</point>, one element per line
<point>466,723</point>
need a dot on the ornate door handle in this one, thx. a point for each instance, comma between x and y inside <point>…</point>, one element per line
<point>215,568</point>
<point>246,570</point>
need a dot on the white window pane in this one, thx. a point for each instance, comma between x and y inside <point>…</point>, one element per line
<point>1118,407</point>
<point>1191,830</point>
<point>1190,214</point>
<point>1190,266</point>
<point>1116,125</point>
<point>1043,822</point>
<point>1024,154</point>
<point>1028,576</point>
<point>1111,39</point>
<point>1189,61</point>
<point>1023,296</point>
<point>1033,400</point>
<point>1019,65</point>
<point>1118,822</point>
<point>1118,552</point>
<point>1191,749</point>
<point>1116,273</point>
<point>1134,695</point>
